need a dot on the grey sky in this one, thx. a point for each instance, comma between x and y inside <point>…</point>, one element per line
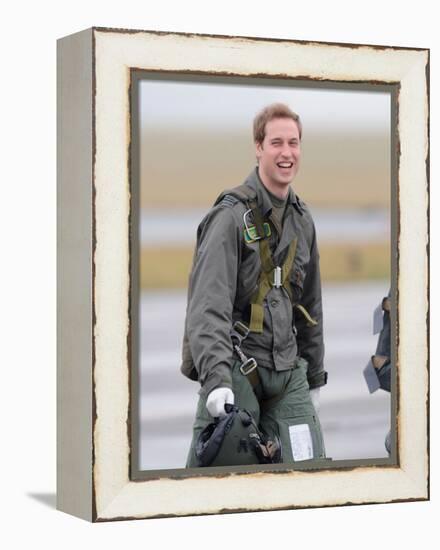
<point>167,103</point>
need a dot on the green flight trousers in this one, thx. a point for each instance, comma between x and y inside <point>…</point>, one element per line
<point>292,417</point>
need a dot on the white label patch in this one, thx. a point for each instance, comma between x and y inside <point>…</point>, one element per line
<point>301,442</point>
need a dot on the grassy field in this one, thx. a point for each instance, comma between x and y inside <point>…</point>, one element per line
<point>169,267</point>
<point>190,168</point>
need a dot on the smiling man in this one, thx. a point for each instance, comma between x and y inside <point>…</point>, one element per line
<point>278,152</point>
<point>254,331</point>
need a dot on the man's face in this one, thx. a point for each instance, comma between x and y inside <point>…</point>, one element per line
<point>278,156</point>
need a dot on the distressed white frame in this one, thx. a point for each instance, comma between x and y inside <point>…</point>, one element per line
<point>103,489</point>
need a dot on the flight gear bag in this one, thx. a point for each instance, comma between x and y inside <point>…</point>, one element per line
<point>234,440</point>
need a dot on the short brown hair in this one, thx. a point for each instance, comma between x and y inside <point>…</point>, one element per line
<point>275,110</point>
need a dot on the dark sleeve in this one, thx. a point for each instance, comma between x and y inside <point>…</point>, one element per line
<point>384,349</point>
<point>384,340</point>
<point>310,339</point>
<point>384,376</point>
<point>211,297</point>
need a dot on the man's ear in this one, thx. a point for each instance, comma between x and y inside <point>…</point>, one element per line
<point>258,150</point>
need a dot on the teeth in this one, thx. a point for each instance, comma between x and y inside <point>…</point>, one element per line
<point>285,164</point>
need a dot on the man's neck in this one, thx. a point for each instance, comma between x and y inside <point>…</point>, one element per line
<point>279,192</point>
<point>276,201</point>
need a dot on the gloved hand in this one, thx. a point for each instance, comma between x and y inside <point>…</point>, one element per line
<point>314,396</point>
<point>217,399</point>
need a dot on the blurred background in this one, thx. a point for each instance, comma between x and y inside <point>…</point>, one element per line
<point>195,139</point>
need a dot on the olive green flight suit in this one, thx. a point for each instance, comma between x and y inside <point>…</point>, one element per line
<point>224,277</point>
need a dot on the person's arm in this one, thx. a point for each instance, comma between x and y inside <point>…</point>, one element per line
<point>211,298</point>
<point>310,339</point>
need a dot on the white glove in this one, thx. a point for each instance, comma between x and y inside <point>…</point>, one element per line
<point>314,396</point>
<point>217,400</point>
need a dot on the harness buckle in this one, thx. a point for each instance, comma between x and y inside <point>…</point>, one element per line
<point>250,230</point>
<point>241,329</point>
<point>248,366</point>
<point>277,277</point>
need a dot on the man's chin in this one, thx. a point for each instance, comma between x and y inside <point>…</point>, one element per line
<point>285,181</point>
<point>286,178</point>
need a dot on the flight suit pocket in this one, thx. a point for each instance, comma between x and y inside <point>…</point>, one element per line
<point>301,438</point>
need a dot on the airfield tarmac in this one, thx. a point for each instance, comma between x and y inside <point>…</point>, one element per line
<point>354,421</point>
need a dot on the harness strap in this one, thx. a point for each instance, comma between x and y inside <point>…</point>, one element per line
<point>287,268</point>
<point>254,378</point>
<point>239,332</point>
<point>248,367</point>
<point>310,321</point>
<point>246,194</point>
<point>268,272</point>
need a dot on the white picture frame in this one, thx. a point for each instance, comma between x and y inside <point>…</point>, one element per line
<point>95,282</point>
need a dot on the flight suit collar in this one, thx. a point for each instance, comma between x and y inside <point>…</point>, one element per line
<point>263,198</point>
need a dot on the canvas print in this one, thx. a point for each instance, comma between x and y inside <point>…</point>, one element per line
<point>311,309</point>
<point>243,264</point>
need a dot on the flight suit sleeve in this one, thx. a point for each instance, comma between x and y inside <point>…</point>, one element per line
<point>384,340</point>
<point>211,298</point>
<point>310,338</point>
<point>383,349</point>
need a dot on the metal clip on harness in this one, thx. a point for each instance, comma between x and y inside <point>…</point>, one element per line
<point>248,367</point>
<point>238,333</point>
<point>277,282</point>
